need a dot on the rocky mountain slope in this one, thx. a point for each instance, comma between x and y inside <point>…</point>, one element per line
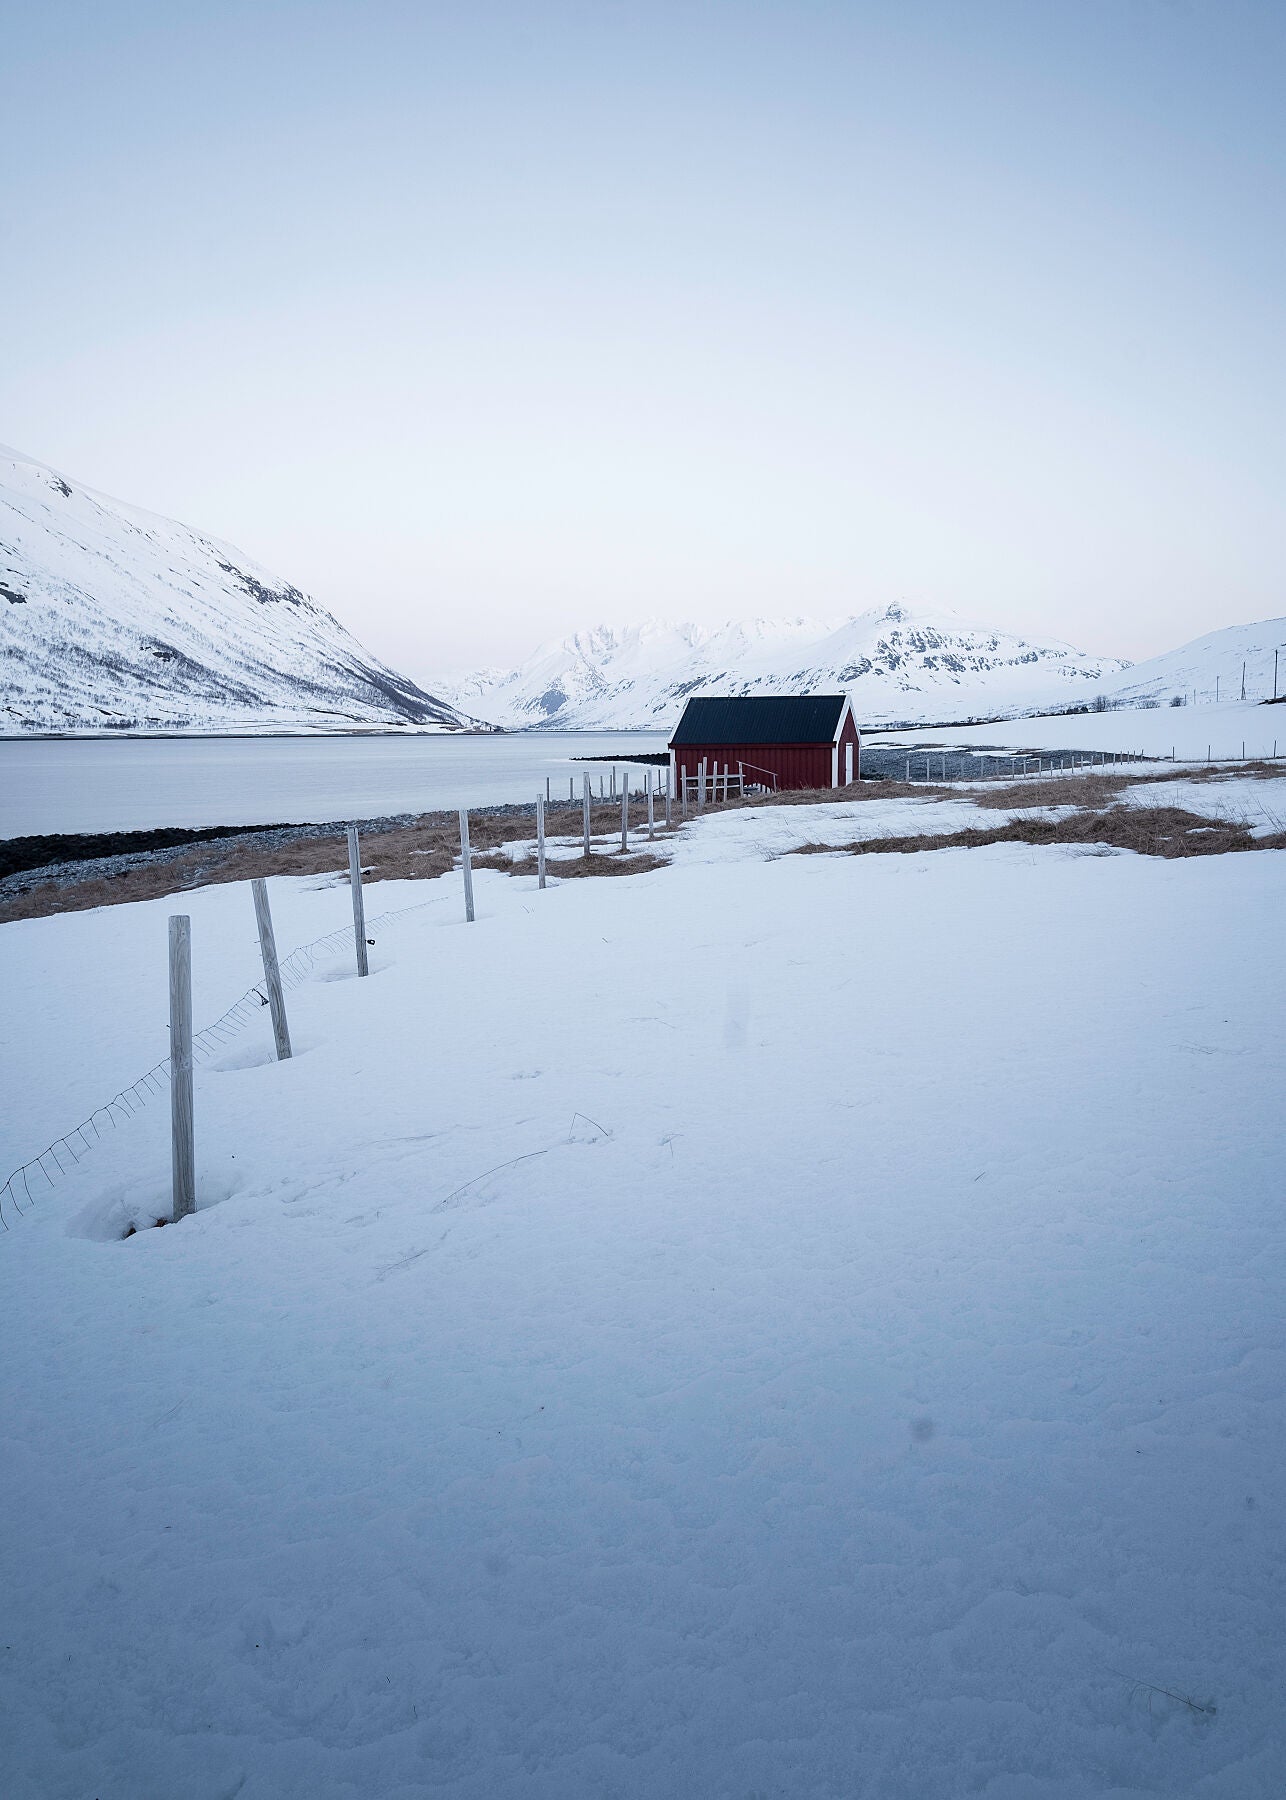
<point>899,665</point>
<point>113,618</point>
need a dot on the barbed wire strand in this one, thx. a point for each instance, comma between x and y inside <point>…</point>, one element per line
<point>295,968</point>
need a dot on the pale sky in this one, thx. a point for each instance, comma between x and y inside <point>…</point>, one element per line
<point>485,321</point>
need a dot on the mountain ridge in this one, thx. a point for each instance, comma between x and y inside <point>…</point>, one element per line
<point>897,663</point>
<point>113,618</point>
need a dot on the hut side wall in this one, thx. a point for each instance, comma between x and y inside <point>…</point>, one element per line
<point>795,765</point>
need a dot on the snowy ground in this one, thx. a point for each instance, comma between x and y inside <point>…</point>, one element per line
<point>1259,804</point>
<point>791,1326</point>
<point>1190,731</point>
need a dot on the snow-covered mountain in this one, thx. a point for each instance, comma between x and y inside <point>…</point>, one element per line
<point>899,665</point>
<point>113,617</point>
<point>1210,667</point>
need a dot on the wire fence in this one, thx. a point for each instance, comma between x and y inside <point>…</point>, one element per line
<point>31,1180</point>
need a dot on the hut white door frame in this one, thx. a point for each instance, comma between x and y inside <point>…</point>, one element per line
<point>845,712</point>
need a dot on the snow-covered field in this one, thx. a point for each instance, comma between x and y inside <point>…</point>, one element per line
<point>793,1326</point>
<point>1189,731</point>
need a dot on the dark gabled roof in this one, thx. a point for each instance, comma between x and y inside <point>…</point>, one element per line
<point>767,719</point>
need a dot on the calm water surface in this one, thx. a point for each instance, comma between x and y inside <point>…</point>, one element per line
<point>133,784</point>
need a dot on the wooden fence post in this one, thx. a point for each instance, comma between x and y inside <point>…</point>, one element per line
<point>625,817</point>
<point>585,806</point>
<point>183,1150</point>
<point>540,842</point>
<point>668,785</point>
<point>359,908</point>
<point>651,806</point>
<point>701,785</point>
<point>467,866</point>
<point>271,972</point>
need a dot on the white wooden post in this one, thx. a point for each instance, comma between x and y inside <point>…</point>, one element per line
<point>651,805</point>
<point>668,774</point>
<point>625,816</point>
<point>540,842</point>
<point>585,806</point>
<point>701,785</point>
<point>467,866</point>
<point>359,908</point>
<point>271,972</point>
<point>183,1149</point>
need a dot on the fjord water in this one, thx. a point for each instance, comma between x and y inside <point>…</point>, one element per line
<point>135,784</point>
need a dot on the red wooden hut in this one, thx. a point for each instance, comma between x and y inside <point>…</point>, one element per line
<point>731,746</point>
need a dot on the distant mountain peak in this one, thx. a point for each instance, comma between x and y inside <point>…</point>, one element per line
<point>899,663</point>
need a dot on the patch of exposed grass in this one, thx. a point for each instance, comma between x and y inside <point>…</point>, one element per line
<point>414,852</point>
<point>570,868</point>
<point>1088,789</point>
<point>1166,831</point>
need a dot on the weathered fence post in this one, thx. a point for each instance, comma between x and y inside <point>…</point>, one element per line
<point>585,808</point>
<point>271,972</point>
<point>183,1149</point>
<point>701,785</point>
<point>359,907</point>
<point>540,842</point>
<point>625,817</point>
<point>651,806</point>
<point>467,865</point>
<point>667,796</point>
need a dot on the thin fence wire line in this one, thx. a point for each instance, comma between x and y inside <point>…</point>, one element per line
<point>131,1100</point>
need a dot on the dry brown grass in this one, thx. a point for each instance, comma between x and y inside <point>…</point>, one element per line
<point>572,868</point>
<point>1166,831</point>
<point>1097,791</point>
<point>404,853</point>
